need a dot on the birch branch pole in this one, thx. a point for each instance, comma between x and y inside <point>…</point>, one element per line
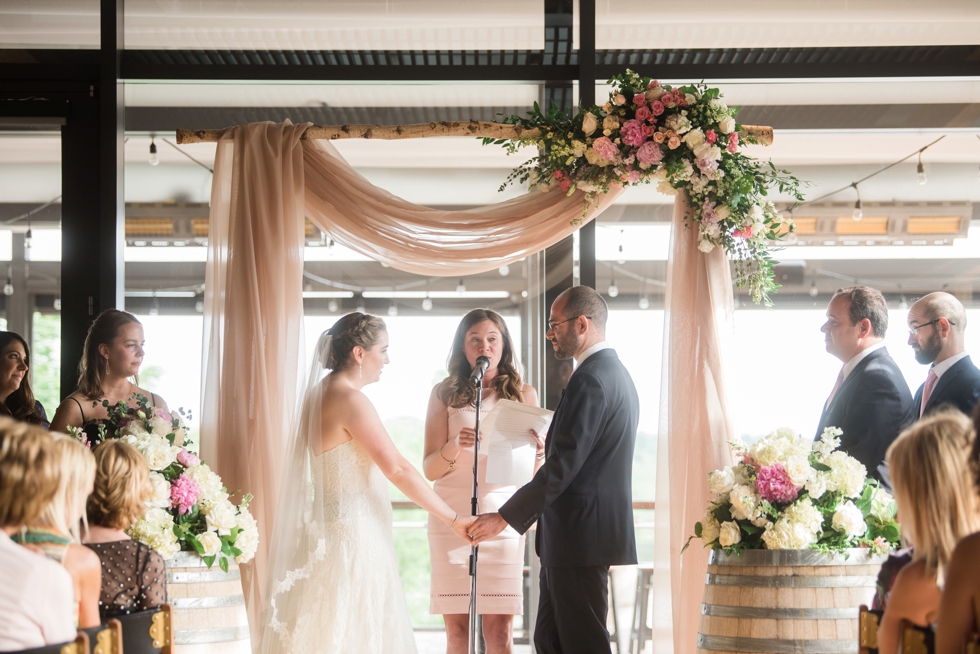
<point>761,134</point>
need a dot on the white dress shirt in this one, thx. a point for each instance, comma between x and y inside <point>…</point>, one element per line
<point>601,345</point>
<point>946,364</point>
<point>858,358</point>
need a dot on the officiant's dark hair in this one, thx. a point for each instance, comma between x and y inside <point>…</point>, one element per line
<point>350,331</point>
<point>93,366</point>
<point>867,302</point>
<point>456,390</point>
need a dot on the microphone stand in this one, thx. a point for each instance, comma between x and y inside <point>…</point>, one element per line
<point>474,510</point>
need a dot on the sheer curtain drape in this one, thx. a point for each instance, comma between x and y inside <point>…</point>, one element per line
<point>694,427</point>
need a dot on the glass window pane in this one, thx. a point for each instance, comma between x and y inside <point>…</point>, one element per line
<point>49,24</point>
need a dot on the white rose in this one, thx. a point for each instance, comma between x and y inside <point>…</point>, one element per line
<point>706,246</point>
<point>210,542</point>
<point>665,188</point>
<point>798,469</point>
<point>248,538</point>
<point>694,138</point>
<point>589,123</point>
<point>882,504</point>
<point>721,481</point>
<point>160,426</point>
<point>655,93</point>
<point>730,534</point>
<point>221,518</point>
<point>160,497</point>
<point>817,485</point>
<point>690,98</point>
<point>726,125</point>
<point>160,455</point>
<point>849,520</point>
<point>723,211</point>
<point>745,502</point>
<point>134,429</point>
<point>710,529</point>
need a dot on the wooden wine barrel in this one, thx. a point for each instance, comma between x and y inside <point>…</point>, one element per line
<point>209,608</point>
<point>785,601</point>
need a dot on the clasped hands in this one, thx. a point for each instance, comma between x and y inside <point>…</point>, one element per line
<point>475,530</point>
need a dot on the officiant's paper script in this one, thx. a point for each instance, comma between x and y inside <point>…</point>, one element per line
<point>511,446</point>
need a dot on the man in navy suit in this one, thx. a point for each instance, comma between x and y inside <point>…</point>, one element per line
<point>582,495</point>
<point>870,403</point>
<point>937,324</point>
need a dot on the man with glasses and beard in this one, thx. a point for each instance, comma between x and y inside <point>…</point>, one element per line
<point>937,326</point>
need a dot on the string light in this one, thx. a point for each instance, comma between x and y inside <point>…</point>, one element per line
<point>644,303</point>
<point>154,159</point>
<point>461,286</point>
<point>814,291</point>
<point>504,270</point>
<point>393,310</point>
<point>8,288</point>
<point>155,306</point>
<point>332,306</point>
<point>920,171</point>
<point>613,289</point>
<point>858,212</point>
<point>427,304</point>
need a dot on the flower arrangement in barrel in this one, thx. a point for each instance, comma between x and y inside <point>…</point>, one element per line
<point>684,139</point>
<point>784,493</point>
<point>189,507</point>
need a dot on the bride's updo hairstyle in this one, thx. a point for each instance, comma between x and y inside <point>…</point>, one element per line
<point>350,331</point>
<point>93,367</point>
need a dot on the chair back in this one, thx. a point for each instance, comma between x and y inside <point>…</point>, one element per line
<point>106,638</point>
<point>77,646</point>
<point>868,622</point>
<point>916,639</point>
<point>148,632</point>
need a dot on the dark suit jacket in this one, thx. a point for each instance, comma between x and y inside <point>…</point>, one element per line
<point>872,407</point>
<point>582,496</point>
<point>958,387</point>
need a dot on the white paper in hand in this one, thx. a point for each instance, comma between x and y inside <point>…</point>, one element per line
<point>511,447</point>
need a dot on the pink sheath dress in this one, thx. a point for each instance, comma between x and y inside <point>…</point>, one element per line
<point>500,581</point>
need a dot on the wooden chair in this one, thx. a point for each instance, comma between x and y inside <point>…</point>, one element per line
<point>106,638</point>
<point>868,622</point>
<point>148,632</point>
<point>916,640</point>
<point>77,646</point>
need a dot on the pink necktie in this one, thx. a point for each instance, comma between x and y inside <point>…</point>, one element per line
<point>840,380</point>
<point>927,391</point>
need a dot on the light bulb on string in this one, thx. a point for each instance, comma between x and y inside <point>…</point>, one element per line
<point>199,306</point>
<point>644,303</point>
<point>393,310</point>
<point>427,304</point>
<point>8,288</point>
<point>504,270</point>
<point>154,159</point>
<point>56,305</point>
<point>920,171</point>
<point>461,286</point>
<point>858,212</point>
<point>814,291</point>
<point>613,289</point>
<point>904,304</point>
<point>332,306</point>
<point>155,306</point>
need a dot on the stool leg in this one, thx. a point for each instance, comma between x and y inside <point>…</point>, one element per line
<point>635,626</point>
<point>646,633</point>
<point>614,637</point>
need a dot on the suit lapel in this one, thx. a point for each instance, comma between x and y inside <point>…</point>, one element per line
<point>845,388</point>
<point>945,381</point>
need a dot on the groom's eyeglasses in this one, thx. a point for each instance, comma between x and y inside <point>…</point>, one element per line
<point>552,325</point>
<point>913,330</point>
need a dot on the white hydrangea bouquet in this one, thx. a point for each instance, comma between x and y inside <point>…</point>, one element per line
<point>784,493</point>
<point>189,509</point>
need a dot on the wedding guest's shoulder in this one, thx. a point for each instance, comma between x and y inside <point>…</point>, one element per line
<point>154,399</point>
<point>966,558</point>
<point>69,412</point>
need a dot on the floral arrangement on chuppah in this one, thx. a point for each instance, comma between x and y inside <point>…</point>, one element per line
<point>786,494</point>
<point>190,509</point>
<point>683,138</point>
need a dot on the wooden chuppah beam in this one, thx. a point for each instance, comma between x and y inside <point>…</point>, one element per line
<point>393,132</point>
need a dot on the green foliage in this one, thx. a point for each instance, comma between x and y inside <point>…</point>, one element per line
<point>46,361</point>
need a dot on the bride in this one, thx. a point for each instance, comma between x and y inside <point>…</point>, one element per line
<point>334,584</point>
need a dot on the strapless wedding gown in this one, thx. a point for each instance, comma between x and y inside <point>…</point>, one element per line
<point>348,597</point>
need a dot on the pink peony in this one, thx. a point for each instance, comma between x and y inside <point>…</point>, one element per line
<point>188,459</point>
<point>565,184</point>
<point>184,492</point>
<point>733,142</point>
<point>774,485</point>
<point>643,113</point>
<point>639,99</point>
<point>657,107</point>
<point>710,137</point>
<point>650,153</point>
<point>606,148</point>
<point>631,176</point>
<point>632,133</point>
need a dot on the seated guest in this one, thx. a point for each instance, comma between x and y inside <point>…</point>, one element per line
<point>937,334</point>
<point>870,403</point>
<point>937,506</point>
<point>133,574</point>
<point>959,610</point>
<point>109,370</point>
<point>36,606</point>
<point>16,397</point>
<point>56,533</point>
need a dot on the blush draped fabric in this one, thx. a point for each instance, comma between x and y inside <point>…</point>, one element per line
<point>694,427</point>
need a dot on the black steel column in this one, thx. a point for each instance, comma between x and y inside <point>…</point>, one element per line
<point>586,95</point>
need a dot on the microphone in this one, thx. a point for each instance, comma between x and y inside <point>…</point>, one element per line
<point>482,363</point>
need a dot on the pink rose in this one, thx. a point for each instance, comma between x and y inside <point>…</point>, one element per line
<point>163,414</point>
<point>681,100</point>
<point>657,107</point>
<point>658,137</point>
<point>631,133</point>
<point>667,99</point>
<point>558,174</point>
<point>673,143</point>
<point>710,137</point>
<point>184,492</point>
<point>744,232</point>
<point>650,153</point>
<point>643,113</point>
<point>187,459</point>
<point>774,485</point>
<point>605,148</point>
<point>639,99</point>
<point>631,177</point>
<point>653,84</point>
<point>733,142</point>
<point>565,184</point>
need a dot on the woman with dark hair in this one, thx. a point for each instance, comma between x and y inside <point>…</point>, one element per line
<point>109,370</point>
<point>449,440</point>
<point>16,397</point>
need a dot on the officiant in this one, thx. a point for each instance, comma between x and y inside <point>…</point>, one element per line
<point>870,402</point>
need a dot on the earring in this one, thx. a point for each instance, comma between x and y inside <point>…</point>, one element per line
<point>360,371</point>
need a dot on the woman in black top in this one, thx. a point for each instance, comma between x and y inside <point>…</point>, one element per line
<point>16,397</point>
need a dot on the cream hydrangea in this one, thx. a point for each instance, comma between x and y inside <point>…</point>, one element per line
<point>212,490</point>
<point>779,446</point>
<point>798,528</point>
<point>157,451</point>
<point>746,504</point>
<point>160,495</point>
<point>847,474</point>
<point>248,538</point>
<point>827,442</point>
<point>156,529</point>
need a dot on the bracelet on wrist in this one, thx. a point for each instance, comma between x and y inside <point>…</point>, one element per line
<point>454,521</point>
<point>451,462</point>
<point>540,456</point>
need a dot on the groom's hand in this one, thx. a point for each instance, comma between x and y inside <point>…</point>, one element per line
<point>486,526</point>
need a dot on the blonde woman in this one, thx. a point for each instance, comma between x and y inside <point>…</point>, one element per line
<point>937,506</point>
<point>133,575</point>
<point>959,611</point>
<point>36,607</point>
<point>56,533</point>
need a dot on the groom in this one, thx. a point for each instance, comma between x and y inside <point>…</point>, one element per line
<point>582,494</point>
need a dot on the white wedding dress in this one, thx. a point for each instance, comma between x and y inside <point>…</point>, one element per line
<point>335,584</point>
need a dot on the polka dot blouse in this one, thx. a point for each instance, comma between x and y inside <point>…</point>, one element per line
<point>134,578</point>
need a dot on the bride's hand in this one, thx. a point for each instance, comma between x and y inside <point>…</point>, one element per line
<point>462,524</point>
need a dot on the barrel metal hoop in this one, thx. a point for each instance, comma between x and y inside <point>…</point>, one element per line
<point>203,577</point>
<point>853,556</point>
<point>202,636</point>
<point>207,602</point>
<point>777,645</point>
<point>778,614</point>
<point>790,582</point>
